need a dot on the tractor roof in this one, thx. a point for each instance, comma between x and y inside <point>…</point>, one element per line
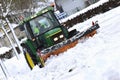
<point>37,14</point>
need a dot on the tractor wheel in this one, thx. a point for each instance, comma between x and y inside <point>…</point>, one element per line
<point>29,60</point>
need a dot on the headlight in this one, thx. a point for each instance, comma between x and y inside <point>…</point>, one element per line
<point>61,36</point>
<point>55,39</point>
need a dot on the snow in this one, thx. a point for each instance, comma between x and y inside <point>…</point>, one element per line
<point>97,58</point>
<point>3,50</point>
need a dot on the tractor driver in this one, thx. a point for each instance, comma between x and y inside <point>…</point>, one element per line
<point>34,27</point>
<point>39,27</point>
<point>36,30</point>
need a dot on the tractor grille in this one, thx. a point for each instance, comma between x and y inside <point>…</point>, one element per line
<point>59,37</point>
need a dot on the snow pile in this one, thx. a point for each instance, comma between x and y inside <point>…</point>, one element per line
<point>3,50</point>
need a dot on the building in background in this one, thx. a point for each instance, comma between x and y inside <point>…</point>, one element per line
<point>72,6</point>
<point>69,6</point>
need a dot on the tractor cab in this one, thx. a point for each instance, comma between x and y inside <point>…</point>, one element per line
<point>44,30</point>
<point>43,23</point>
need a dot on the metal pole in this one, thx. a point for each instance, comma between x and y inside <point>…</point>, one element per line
<point>16,39</point>
<point>16,53</point>
<point>4,69</point>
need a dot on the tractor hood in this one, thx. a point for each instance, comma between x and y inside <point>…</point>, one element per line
<point>52,32</point>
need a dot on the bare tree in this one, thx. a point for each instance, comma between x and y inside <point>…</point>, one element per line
<point>21,4</point>
<point>5,9</point>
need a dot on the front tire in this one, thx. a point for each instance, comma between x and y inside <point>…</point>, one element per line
<point>29,60</point>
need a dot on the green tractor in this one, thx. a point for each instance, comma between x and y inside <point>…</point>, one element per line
<point>46,36</point>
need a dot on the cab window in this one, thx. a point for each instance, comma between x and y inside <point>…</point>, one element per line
<point>43,23</point>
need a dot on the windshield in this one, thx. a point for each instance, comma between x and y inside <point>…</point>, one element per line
<point>43,23</point>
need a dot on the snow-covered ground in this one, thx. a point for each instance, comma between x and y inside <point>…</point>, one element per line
<point>97,58</point>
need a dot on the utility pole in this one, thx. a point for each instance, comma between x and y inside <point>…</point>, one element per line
<point>4,69</point>
<point>16,39</point>
<point>16,53</point>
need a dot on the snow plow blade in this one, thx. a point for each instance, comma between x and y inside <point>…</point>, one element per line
<point>69,43</point>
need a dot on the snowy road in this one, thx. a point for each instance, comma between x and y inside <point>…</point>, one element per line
<point>103,63</point>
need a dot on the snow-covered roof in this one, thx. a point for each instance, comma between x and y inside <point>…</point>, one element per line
<point>4,50</point>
